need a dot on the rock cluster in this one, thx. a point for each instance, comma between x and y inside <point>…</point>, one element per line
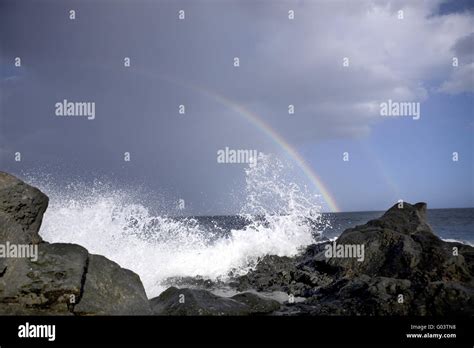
<point>405,269</point>
<point>65,279</point>
<point>174,301</point>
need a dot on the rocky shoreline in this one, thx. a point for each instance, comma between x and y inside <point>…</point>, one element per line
<point>396,266</point>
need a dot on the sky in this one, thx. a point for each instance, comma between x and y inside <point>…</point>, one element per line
<point>335,61</point>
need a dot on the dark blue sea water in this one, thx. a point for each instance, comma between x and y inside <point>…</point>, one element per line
<point>457,224</point>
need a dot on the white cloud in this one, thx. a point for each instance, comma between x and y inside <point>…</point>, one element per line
<point>390,58</point>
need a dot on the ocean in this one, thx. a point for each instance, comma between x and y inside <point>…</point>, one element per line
<point>277,217</point>
<point>162,248</point>
<point>449,224</point>
<point>455,224</point>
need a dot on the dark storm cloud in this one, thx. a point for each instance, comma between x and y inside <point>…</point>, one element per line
<point>282,62</point>
<point>464,48</point>
<point>455,6</point>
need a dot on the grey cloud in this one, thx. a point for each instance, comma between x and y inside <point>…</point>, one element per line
<point>282,62</point>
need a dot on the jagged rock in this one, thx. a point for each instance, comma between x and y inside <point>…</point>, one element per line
<point>192,282</point>
<point>406,270</point>
<point>21,210</point>
<point>401,245</point>
<point>294,276</point>
<point>174,301</point>
<point>272,273</point>
<point>50,285</point>
<point>446,298</point>
<point>402,256</point>
<point>65,279</point>
<point>111,290</point>
<point>257,303</point>
<point>364,296</point>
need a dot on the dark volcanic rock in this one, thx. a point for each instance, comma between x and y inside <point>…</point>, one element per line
<point>406,270</point>
<point>21,210</point>
<point>65,279</point>
<point>273,273</point>
<point>50,285</point>
<point>297,276</point>
<point>364,296</point>
<point>192,282</point>
<point>111,290</point>
<point>176,301</point>
<point>402,245</point>
<point>256,303</point>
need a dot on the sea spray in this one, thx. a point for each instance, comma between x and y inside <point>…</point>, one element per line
<point>281,218</point>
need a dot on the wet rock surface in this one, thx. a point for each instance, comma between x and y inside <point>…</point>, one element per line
<point>21,210</point>
<point>62,279</point>
<point>396,266</point>
<point>406,270</point>
<point>174,301</point>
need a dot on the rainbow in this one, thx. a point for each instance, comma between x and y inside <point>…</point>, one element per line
<point>262,126</point>
<point>254,119</point>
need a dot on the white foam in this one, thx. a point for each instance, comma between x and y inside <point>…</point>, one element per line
<point>111,223</point>
<point>450,240</point>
